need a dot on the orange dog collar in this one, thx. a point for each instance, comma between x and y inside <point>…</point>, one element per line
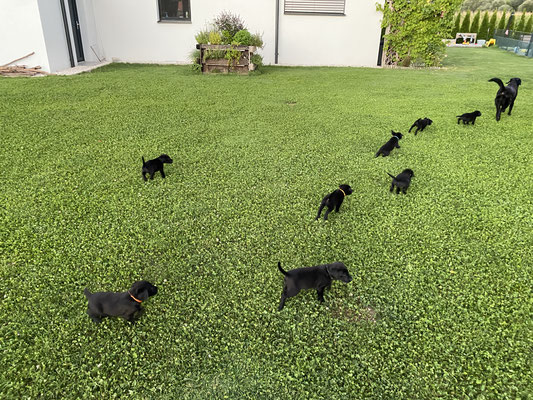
<point>342,192</point>
<point>137,300</point>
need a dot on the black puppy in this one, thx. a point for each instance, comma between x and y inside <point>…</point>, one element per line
<point>506,95</point>
<point>119,304</point>
<point>390,145</point>
<point>468,117</point>
<point>420,124</point>
<point>334,200</point>
<point>401,181</point>
<point>152,166</point>
<point>318,277</point>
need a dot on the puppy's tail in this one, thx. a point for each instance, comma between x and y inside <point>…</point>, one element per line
<point>498,81</point>
<point>281,269</point>
<point>87,293</point>
<point>144,162</point>
<point>392,176</point>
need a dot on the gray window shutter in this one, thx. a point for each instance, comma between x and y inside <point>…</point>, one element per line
<point>326,7</point>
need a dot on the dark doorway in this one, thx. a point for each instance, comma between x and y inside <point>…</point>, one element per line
<point>381,43</point>
<point>76,31</point>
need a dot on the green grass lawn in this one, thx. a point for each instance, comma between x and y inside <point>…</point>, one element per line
<point>441,301</point>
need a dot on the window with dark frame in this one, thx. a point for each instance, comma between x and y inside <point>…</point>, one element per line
<point>174,10</point>
<point>316,7</point>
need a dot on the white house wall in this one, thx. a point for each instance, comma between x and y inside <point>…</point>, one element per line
<point>351,40</point>
<point>128,31</point>
<point>21,33</point>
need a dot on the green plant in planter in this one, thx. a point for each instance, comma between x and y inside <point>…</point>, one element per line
<point>227,38</point>
<point>228,29</point>
<point>232,55</point>
<point>202,37</point>
<point>243,37</point>
<point>256,40</point>
<point>214,54</point>
<point>229,22</point>
<point>215,38</point>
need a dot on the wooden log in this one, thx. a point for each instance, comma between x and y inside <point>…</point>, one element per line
<point>22,70</point>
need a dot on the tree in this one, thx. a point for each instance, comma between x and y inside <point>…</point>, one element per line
<point>505,7</point>
<point>472,5</point>
<point>465,25</point>
<point>496,4</point>
<point>526,6</point>
<point>415,29</point>
<point>502,5</point>
<point>457,25</point>
<point>520,23</point>
<point>515,3</point>
<point>474,27</point>
<point>529,24</point>
<point>503,21</point>
<point>510,22</point>
<point>484,27</point>
<point>493,23</point>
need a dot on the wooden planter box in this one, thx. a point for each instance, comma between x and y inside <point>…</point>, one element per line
<point>222,65</point>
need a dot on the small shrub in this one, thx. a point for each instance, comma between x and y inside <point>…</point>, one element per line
<point>194,56</point>
<point>196,63</point>
<point>233,55</point>
<point>202,37</point>
<point>197,68</point>
<point>406,62</point>
<point>215,38</point>
<point>257,60</point>
<point>226,37</point>
<point>214,54</point>
<point>227,21</point>
<point>256,40</point>
<point>243,37</point>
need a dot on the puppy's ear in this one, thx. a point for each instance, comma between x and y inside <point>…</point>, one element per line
<point>142,295</point>
<point>139,290</point>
